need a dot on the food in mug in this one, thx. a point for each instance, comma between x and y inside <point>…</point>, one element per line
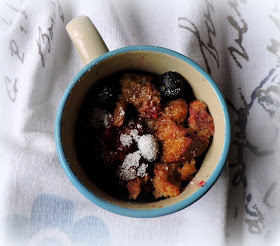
<point>145,137</point>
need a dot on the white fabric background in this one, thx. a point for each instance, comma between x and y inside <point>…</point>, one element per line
<point>38,61</point>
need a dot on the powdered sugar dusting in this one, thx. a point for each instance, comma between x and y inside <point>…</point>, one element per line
<point>148,147</point>
<point>105,92</point>
<point>127,170</point>
<point>107,119</point>
<point>126,139</point>
<point>122,113</point>
<point>134,134</point>
<point>141,172</point>
<point>172,92</point>
<point>100,117</point>
<point>193,152</point>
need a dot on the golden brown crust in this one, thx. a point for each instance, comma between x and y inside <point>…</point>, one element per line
<point>183,148</point>
<point>164,182</point>
<point>200,120</point>
<point>176,110</point>
<point>187,171</point>
<point>137,90</point>
<point>165,129</point>
<point>138,185</point>
<point>179,145</point>
<point>174,150</point>
<point>134,188</point>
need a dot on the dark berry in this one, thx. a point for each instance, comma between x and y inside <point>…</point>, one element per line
<point>110,136</point>
<point>104,94</point>
<point>171,85</point>
<point>105,157</point>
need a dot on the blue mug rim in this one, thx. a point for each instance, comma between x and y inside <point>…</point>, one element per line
<point>147,213</point>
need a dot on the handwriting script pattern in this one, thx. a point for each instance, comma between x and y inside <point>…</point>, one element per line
<point>45,38</point>
<point>241,29</point>
<point>204,46</point>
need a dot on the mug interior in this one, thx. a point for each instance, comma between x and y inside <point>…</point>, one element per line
<point>156,62</point>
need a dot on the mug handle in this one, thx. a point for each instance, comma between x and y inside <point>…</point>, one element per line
<point>86,38</point>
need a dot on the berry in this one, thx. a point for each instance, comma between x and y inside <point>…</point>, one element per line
<point>104,94</point>
<point>110,136</point>
<point>171,85</point>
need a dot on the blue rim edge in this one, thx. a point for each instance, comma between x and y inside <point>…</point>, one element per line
<point>134,212</point>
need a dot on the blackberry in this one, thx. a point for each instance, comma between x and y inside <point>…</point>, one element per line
<point>171,85</point>
<point>104,94</point>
